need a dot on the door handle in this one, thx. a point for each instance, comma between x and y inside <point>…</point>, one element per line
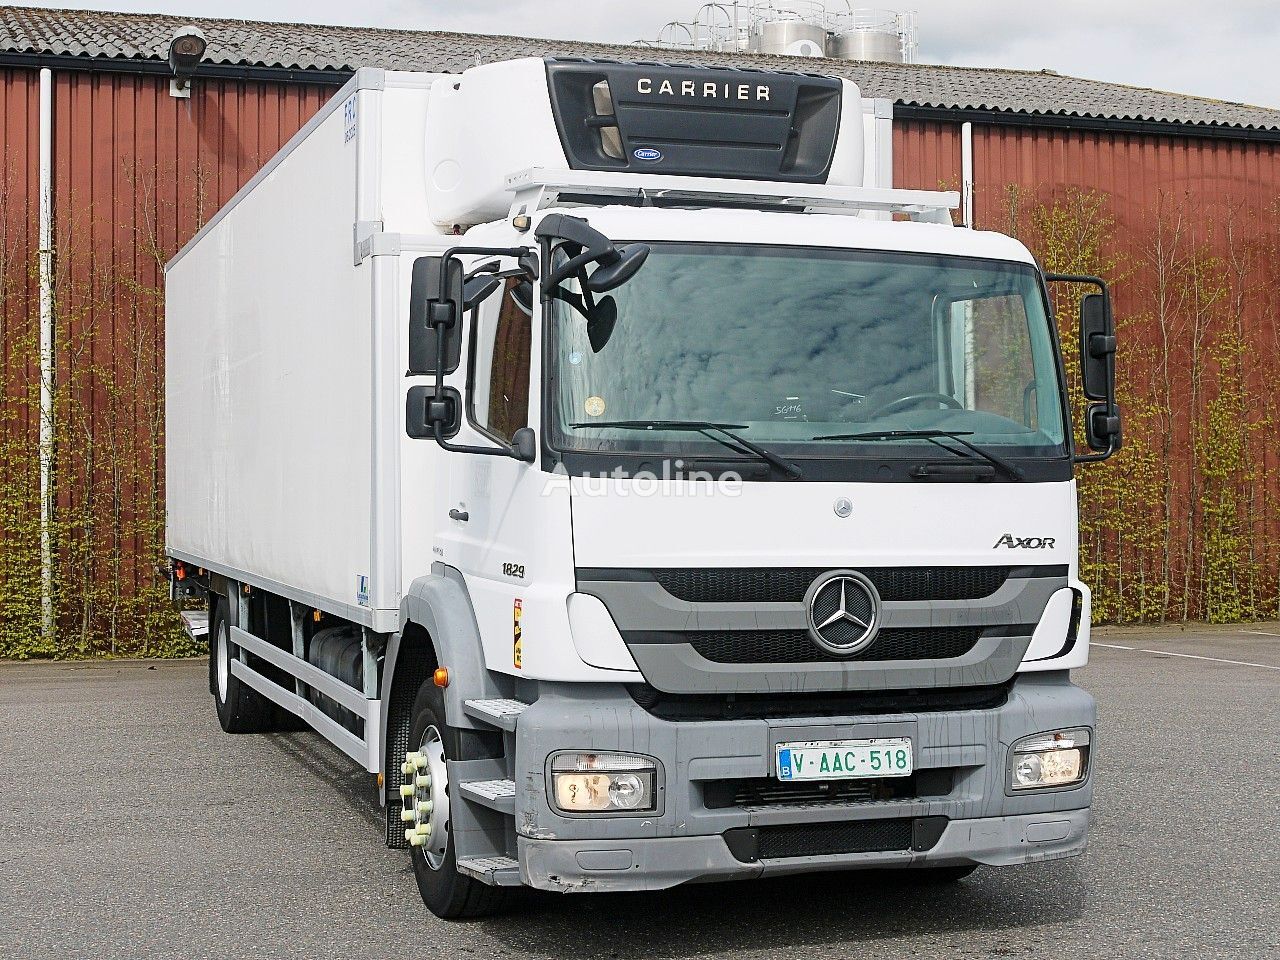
<point>459,515</point>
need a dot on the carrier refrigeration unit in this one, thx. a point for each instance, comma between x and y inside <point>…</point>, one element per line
<point>606,458</point>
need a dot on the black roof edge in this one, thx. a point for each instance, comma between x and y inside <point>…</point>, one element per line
<point>1064,121</point>
<point>902,111</point>
<point>211,71</point>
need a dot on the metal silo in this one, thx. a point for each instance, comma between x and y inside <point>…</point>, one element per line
<point>873,35</point>
<point>794,29</point>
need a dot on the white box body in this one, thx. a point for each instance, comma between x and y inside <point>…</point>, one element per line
<point>283,361</point>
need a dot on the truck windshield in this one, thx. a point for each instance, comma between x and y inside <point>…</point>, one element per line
<point>807,350</point>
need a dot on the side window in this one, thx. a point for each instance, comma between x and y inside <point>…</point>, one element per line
<point>500,390</point>
<point>991,364</point>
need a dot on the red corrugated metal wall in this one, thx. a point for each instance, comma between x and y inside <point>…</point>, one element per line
<point>1187,521</point>
<point>136,172</point>
<point>19,111</point>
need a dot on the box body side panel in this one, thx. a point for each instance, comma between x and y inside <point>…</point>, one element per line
<point>269,378</point>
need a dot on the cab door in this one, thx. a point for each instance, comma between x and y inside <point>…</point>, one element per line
<point>506,525</point>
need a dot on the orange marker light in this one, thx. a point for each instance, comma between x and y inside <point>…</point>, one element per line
<point>441,677</point>
<point>180,572</point>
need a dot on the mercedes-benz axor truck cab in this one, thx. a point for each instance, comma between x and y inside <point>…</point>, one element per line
<point>638,485</point>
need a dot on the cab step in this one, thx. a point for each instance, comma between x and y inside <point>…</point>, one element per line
<point>498,795</point>
<point>499,713</point>
<point>498,871</point>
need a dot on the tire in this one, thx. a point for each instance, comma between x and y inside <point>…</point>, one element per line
<point>447,893</point>
<point>241,709</point>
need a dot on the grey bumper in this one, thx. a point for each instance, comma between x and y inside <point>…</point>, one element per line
<point>973,819</point>
<point>657,863</point>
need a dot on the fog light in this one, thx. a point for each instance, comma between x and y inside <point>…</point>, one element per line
<point>603,783</point>
<point>1058,758</point>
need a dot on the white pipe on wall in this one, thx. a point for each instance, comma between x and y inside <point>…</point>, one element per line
<point>966,173</point>
<point>46,349</point>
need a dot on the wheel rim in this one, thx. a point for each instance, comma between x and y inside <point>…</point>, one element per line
<point>223,664</point>
<point>427,763</point>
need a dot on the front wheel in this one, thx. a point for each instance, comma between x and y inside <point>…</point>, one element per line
<point>447,893</point>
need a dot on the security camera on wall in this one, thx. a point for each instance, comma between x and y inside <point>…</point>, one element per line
<point>185,52</point>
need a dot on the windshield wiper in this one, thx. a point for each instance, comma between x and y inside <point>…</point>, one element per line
<point>934,436</point>
<point>734,442</point>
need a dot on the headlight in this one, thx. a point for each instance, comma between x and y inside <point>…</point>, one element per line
<point>1058,758</point>
<point>603,783</point>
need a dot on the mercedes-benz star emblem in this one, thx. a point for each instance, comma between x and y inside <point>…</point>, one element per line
<point>844,612</point>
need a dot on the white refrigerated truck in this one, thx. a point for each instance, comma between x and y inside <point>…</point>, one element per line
<point>610,461</point>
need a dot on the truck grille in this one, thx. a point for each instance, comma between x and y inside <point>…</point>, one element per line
<point>697,707</point>
<point>789,584</point>
<point>749,844</point>
<point>824,839</point>
<point>772,792</point>
<point>796,646</point>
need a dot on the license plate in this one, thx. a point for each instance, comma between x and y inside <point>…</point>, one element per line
<point>844,759</point>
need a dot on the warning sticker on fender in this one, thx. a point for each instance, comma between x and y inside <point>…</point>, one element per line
<point>516,653</point>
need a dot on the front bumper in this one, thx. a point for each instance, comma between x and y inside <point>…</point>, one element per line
<point>971,818</point>
<point>661,862</point>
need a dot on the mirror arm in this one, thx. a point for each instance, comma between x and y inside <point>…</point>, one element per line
<point>570,267</point>
<point>505,450</point>
<point>1111,450</point>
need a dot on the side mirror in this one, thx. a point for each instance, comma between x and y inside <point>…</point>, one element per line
<point>524,445</point>
<point>435,315</point>
<point>601,319</point>
<point>1097,346</point>
<point>422,411</point>
<point>614,265</point>
<point>1102,428</point>
<point>614,272</point>
<point>477,290</point>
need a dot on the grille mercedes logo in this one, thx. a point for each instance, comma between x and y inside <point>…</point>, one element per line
<point>844,612</point>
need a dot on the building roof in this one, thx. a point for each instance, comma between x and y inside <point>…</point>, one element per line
<point>332,51</point>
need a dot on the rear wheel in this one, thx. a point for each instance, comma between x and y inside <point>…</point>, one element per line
<point>446,892</point>
<point>241,709</point>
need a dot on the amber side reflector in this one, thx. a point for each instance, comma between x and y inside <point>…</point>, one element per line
<point>441,677</point>
<point>315,615</point>
<point>180,572</point>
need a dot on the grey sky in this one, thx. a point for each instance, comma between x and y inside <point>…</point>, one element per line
<point>1225,50</point>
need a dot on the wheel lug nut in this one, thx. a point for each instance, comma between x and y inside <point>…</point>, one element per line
<point>424,806</point>
<point>424,780</point>
<point>406,790</point>
<point>407,816</point>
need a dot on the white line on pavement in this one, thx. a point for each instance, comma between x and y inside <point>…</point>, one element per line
<point>1261,633</point>
<point>1188,656</point>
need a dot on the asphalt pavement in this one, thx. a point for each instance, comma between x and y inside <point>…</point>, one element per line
<point>131,826</point>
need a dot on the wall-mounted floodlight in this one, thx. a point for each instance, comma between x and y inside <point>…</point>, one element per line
<point>185,51</point>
